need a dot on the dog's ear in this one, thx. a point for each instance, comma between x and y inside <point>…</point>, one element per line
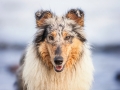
<point>41,16</point>
<point>77,15</point>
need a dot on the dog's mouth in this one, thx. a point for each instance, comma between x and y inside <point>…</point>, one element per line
<point>58,68</point>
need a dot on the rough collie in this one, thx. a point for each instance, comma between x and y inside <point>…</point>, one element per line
<point>58,58</point>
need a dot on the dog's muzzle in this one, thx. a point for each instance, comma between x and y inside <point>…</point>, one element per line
<point>58,60</point>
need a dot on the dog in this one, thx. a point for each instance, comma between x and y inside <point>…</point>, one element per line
<point>59,56</point>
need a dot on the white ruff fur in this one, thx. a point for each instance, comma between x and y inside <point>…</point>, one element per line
<point>37,76</point>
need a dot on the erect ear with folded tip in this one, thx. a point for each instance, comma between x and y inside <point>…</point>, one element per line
<point>41,16</point>
<point>77,15</point>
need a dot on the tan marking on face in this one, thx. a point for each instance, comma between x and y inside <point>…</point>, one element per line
<point>44,53</point>
<point>66,48</point>
<point>41,21</point>
<point>54,34</point>
<point>51,50</point>
<point>73,16</point>
<point>75,52</point>
<point>64,34</point>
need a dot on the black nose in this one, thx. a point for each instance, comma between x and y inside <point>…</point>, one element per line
<point>58,60</point>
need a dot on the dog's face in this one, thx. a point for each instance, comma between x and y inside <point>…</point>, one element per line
<point>59,40</point>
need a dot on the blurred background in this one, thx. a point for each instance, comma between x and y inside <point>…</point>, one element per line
<point>102,27</point>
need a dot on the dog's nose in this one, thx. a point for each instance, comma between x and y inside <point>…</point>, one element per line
<point>58,60</point>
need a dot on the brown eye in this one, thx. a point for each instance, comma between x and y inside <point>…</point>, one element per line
<point>67,37</point>
<point>51,38</point>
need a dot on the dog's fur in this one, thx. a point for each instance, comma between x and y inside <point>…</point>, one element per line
<point>62,38</point>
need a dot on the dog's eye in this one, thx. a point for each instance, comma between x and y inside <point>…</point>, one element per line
<point>51,38</point>
<point>67,37</point>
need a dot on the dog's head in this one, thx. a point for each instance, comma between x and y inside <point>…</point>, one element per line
<point>59,40</point>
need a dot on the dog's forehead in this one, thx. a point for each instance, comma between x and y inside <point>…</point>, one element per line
<point>59,24</point>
